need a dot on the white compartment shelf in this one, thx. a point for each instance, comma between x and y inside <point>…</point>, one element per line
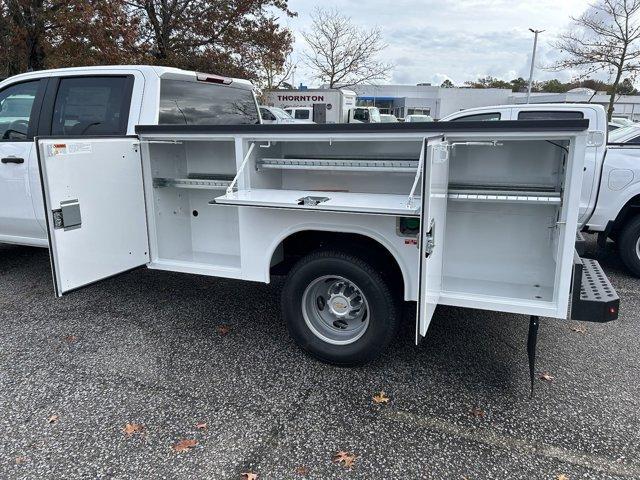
<point>207,183</point>
<point>344,164</point>
<point>369,203</point>
<point>507,197</point>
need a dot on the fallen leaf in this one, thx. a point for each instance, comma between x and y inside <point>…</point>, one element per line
<point>345,458</point>
<point>546,376</point>
<point>250,476</point>
<point>223,330</point>
<point>562,476</point>
<point>201,425</point>
<point>578,328</point>
<point>20,460</point>
<point>301,470</point>
<point>54,418</point>
<point>132,428</point>
<point>380,398</point>
<point>476,412</point>
<point>70,339</point>
<point>184,445</point>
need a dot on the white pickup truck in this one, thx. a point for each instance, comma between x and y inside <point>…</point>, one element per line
<point>610,198</point>
<point>97,101</point>
<point>359,217</point>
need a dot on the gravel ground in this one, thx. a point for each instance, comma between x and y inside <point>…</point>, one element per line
<point>150,348</point>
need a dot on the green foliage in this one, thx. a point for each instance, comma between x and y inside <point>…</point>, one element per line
<point>554,85</point>
<point>488,82</point>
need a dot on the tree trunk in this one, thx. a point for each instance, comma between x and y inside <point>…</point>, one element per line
<point>37,56</point>
<point>614,89</point>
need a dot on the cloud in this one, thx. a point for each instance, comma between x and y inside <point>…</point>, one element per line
<point>430,40</point>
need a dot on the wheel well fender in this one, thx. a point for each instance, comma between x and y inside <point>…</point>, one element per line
<point>630,209</point>
<point>304,239</point>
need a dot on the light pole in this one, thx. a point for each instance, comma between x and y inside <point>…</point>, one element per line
<point>533,59</point>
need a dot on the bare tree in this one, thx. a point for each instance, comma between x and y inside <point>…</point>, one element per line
<point>276,71</point>
<point>603,39</point>
<point>341,53</point>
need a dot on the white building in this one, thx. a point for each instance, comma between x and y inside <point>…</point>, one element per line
<point>424,99</point>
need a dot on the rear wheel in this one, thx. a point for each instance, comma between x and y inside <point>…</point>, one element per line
<point>629,245</point>
<point>338,308</point>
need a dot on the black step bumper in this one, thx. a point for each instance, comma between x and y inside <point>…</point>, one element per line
<point>581,243</point>
<point>593,297</point>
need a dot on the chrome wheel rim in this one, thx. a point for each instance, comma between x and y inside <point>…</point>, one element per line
<point>638,248</point>
<point>335,310</point>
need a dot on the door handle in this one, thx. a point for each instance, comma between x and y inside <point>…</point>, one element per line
<point>12,160</point>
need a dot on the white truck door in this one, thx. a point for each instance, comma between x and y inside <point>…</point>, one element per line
<point>95,209</point>
<point>19,107</point>
<point>435,180</point>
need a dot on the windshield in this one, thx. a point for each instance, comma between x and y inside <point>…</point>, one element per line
<point>374,115</point>
<point>618,134</point>
<point>280,113</point>
<point>420,118</point>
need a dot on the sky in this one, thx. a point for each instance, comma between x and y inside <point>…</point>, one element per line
<point>432,40</point>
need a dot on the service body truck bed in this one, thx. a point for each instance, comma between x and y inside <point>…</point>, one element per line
<point>471,214</point>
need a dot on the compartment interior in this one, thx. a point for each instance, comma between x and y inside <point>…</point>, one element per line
<point>501,236</point>
<point>186,176</point>
<point>363,176</point>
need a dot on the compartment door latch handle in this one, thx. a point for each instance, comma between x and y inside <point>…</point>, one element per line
<point>429,239</point>
<point>68,215</point>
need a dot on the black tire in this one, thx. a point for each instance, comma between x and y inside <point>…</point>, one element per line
<point>383,311</point>
<point>628,245</point>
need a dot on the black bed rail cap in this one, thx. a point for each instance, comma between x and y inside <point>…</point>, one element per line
<point>426,127</point>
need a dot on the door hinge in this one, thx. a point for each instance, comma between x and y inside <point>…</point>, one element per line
<point>429,239</point>
<point>67,216</point>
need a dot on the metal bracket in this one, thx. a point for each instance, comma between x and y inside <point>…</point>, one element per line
<point>418,173</point>
<point>429,239</point>
<point>532,340</point>
<point>242,165</point>
<point>490,143</point>
<point>171,142</point>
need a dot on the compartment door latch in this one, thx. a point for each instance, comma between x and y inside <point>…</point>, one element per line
<point>68,215</point>
<point>429,239</point>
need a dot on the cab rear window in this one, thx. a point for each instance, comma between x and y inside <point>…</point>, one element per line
<point>550,115</point>
<point>197,103</point>
<point>479,117</point>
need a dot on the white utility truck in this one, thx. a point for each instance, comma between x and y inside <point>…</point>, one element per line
<point>323,105</point>
<point>610,198</point>
<point>358,217</point>
<point>96,101</point>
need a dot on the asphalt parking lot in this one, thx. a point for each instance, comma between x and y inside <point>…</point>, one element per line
<point>166,351</point>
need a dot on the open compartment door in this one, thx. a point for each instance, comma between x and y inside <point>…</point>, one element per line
<point>94,207</point>
<point>435,180</point>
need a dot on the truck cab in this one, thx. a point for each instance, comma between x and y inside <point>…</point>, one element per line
<point>96,101</point>
<point>364,115</point>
